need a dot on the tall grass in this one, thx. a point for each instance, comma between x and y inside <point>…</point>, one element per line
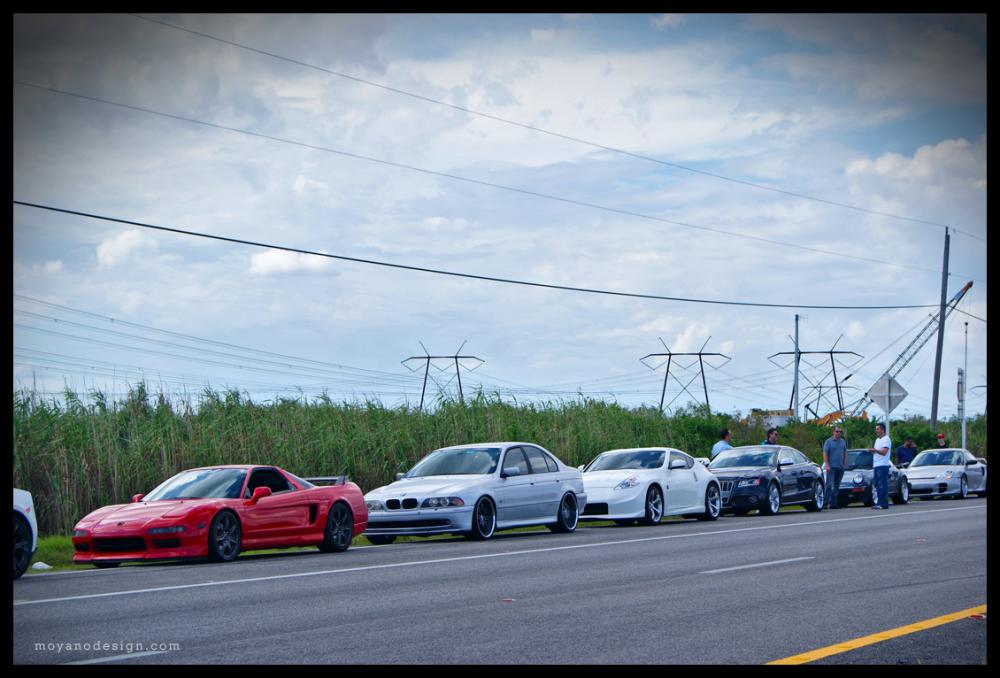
<point>75,457</point>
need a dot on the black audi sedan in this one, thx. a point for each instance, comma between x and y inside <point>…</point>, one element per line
<point>767,477</point>
<point>858,483</point>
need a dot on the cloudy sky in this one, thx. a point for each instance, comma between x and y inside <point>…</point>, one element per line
<point>761,159</point>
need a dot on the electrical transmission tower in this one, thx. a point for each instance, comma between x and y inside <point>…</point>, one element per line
<point>670,355</point>
<point>818,386</point>
<point>436,360</point>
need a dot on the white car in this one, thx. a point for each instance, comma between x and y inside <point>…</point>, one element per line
<point>475,490</point>
<point>25,532</point>
<point>648,483</point>
<point>945,471</point>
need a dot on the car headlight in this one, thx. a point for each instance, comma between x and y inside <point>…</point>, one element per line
<point>749,482</point>
<point>631,481</point>
<point>79,533</point>
<point>374,505</point>
<point>947,475</point>
<point>859,478</point>
<point>174,529</point>
<point>442,502</point>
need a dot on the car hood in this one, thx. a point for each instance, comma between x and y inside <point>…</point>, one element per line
<point>611,478</point>
<point>141,513</point>
<point>740,471</point>
<point>443,486</point>
<point>919,472</point>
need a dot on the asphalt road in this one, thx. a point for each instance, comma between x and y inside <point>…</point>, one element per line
<point>746,590</point>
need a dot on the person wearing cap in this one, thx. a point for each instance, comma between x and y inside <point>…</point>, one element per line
<point>834,455</point>
<point>725,442</point>
<point>880,465</point>
<point>940,439</point>
<point>906,452</point>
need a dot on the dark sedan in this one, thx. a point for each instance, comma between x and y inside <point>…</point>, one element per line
<point>858,481</point>
<point>767,477</point>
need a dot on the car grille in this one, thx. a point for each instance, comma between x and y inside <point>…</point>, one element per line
<point>167,543</point>
<point>408,523</point>
<point>727,491</point>
<point>118,544</point>
<point>395,504</point>
<point>941,488</point>
<point>595,509</point>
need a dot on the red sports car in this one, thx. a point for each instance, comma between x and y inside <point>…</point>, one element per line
<point>218,511</point>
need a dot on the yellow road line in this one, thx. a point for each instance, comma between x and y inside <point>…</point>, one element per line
<point>849,645</point>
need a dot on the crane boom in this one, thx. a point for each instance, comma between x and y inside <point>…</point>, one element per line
<point>913,348</point>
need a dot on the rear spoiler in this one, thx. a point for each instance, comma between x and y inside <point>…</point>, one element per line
<point>328,480</point>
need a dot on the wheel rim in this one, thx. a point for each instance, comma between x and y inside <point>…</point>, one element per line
<point>904,491</point>
<point>568,510</point>
<point>654,505</point>
<point>227,536</point>
<point>485,518</point>
<point>714,501</point>
<point>342,527</point>
<point>22,545</point>
<point>774,499</point>
<point>818,495</point>
<point>965,487</point>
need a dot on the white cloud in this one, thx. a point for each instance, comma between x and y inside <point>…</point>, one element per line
<point>278,261</point>
<point>304,185</point>
<point>662,21</point>
<point>122,247</point>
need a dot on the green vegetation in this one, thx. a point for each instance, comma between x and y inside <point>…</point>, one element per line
<point>75,457</point>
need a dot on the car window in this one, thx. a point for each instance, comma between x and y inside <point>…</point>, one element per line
<point>537,460</point>
<point>799,457</point>
<point>688,461</point>
<point>969,457</point>
<point>267,477</point>
<point>515,459</point>
<point>786,455</point>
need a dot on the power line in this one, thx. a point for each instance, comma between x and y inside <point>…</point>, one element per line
<point>455,177</point>
<point>541,130</point>
<point>509,281</point>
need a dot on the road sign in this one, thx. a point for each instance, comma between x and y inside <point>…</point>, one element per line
<point>887,393</point>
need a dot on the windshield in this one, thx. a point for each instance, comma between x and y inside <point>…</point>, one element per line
<point>632,459</point>
<point>464,461</point>
<point>938,458</point>
<point>858,459</point>
<point>206,483</point>
<point>751,456</point>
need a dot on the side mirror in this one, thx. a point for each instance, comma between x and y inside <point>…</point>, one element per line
<point>400,476</point>
<point>677,463</point>
<point>510,472</point>
<point>581,466</point>
<point>137,498</point>
<point>785,462</point>
<point>971,463</point>
<point>259,494</point>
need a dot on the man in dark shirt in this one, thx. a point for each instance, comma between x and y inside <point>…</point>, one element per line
<point>905,452</point>
<point>834,455</point>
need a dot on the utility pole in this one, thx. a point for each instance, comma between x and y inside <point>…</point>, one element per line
<point>961,382</point>
<point>429,359</point>
<point>940,340</point>
<point>795,393</point>
<point>670,357</point>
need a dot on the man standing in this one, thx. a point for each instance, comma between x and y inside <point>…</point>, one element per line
<point>725,438</point>
<point>880,466</point>
<point>905,452</point>
<point>834,453</point>
<point>941,441</point>
<point>772,437</point>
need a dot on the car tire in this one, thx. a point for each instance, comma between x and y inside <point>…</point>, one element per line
<point>568,515</point>
<point>380,539</point>
<point>484,520</point>
<point>818,502</point>
<point>21,545</point>
<point>903,495</point>
<point>772,501</point>
<point>963,488</point>
<point>224,537</point>
<point>654,506</point>
<point>339,529</point>
<point>713,503</point>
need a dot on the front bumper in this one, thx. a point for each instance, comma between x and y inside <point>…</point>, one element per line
<point>743,498</point>
<point>117,547</point>
<point>420,521</point>
<point>605,503</point>
<point>849,492</point>
<point>935,487</point>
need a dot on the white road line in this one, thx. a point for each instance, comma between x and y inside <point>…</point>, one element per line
<point>747,567</point>
<point>880,516</point>
<point>116,658</point>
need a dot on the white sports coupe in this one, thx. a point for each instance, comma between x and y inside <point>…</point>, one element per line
<point>25,532</point>
<point>946,471</point>
<point>475,490</point>
<point>648,483</point>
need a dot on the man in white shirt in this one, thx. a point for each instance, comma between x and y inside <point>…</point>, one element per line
<point>880,466</point>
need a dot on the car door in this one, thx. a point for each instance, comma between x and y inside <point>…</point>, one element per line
<point>975,472</point>
<point>790,475</point>
<point>545,481</point>
<point>682,492</point>
<point>515,491</point>
<point>285,513</point>
<point>806,474</point>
